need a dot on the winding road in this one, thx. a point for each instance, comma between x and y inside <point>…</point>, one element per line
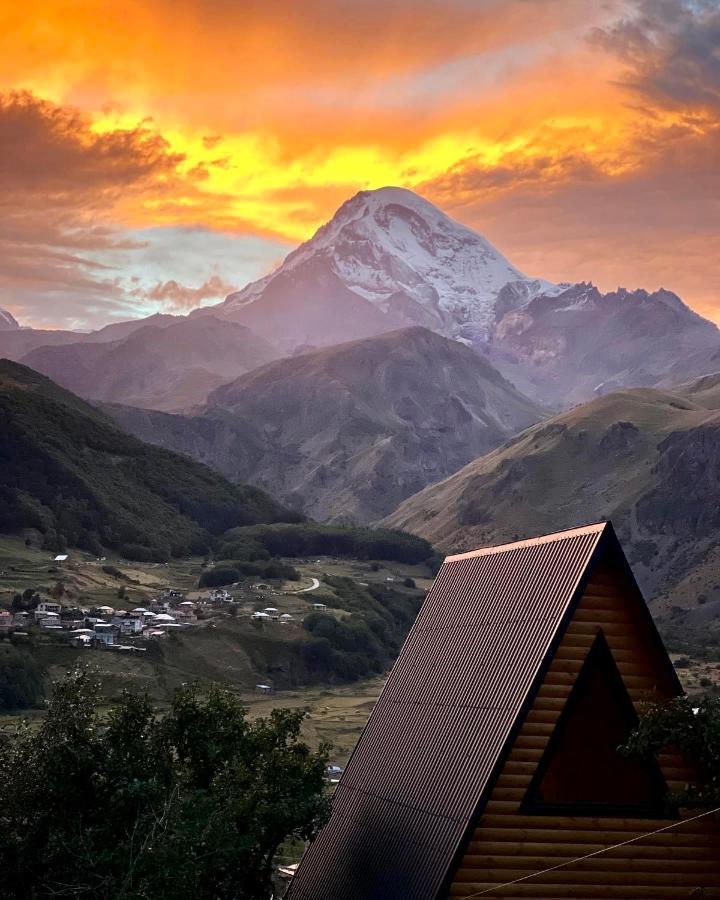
<point>313,587</point>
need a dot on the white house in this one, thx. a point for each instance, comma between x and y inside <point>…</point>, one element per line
<point>128,623</point>
<point>46,607</point>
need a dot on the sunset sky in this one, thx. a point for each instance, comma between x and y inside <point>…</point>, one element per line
<point>155,155</point>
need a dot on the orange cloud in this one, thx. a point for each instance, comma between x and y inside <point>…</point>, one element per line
<point>175,296</point>
<point>260,118</point>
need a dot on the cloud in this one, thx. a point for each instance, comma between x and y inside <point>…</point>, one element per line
<point>175,296</point>
<point>61,184</point>
<point>648,218</point>
<point>581,159</point>
<point>670,50</point>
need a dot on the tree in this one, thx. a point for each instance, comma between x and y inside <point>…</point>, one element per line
<point>26,601</point>
<point>219,577</point>
<point>693,728</point>
<point>193,804</point>
<point>21,679</point>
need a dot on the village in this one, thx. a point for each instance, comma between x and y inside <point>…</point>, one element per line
<point>117,629</point>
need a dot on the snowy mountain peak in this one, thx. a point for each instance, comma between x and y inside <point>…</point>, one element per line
<point>396,249</point>
<point>7,321</point>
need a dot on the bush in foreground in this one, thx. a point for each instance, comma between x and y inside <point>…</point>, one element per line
<point>692,728</point>
<point>193,804</point>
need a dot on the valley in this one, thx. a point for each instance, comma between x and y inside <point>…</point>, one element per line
<point>225,645</point>
<point>643,458</point>
<point>395,370</point>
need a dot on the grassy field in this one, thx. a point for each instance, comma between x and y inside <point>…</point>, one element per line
<point>23,567</point>
<point>224,648</point>
<point>231,650</point>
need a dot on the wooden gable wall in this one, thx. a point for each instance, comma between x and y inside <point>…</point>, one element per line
<point>508,844</point>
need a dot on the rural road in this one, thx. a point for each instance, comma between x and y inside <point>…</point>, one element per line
<point>313,587</point>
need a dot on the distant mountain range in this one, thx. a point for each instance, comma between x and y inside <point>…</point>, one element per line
<point>69,473</point>
<point>580,343</point>
<point>347,432</point>
<point>168,364</point>
<point>647,459</point>
<point>389,259</point>
<point>392,349</point>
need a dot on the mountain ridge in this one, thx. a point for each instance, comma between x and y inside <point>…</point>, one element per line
<point>647,459</point>
<point>71,474</point>
<point>395,251</point>
<point>166,365</point>
<point>346,431</point>
<point>412,262</point>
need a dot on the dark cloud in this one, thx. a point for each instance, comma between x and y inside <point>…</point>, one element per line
<point>175,296</point>
<point>59,185</point>
<point>671,49</point>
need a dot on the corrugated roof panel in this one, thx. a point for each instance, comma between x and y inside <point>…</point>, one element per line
<point>429,749</point>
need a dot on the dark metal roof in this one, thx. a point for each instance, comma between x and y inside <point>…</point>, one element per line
<point>429,750</point>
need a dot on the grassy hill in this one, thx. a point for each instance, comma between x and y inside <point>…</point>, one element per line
<point>71,475</point>
<point>370,600</point>
<point>648,460</point>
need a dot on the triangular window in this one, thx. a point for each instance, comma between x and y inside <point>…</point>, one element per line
<point>581,771</point>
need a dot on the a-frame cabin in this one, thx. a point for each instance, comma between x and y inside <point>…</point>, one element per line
<point>491,755</point>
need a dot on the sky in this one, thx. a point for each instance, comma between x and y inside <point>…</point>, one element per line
<point>156,155</point>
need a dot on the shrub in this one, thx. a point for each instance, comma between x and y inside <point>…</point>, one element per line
<point>218,577</point>
<point>20,679</point>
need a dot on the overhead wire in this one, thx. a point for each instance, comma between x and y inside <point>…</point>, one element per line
<point>579,859</point>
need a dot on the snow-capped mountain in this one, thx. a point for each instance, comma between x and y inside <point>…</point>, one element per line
<point>389,258</point>
<point>397,251</point>
<point>7,322</point>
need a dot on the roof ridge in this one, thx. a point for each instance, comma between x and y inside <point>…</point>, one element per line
<point>596,528</point>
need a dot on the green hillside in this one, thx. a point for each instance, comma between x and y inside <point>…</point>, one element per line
<point>646,459</point>
<point>69,473</point>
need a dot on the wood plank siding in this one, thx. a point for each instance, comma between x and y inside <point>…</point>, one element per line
<point>507,844</point>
